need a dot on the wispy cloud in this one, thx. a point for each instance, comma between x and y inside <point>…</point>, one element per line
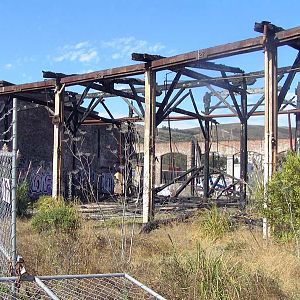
<point>123,47</point>
<point>82,52</point>
<point>8,66</point>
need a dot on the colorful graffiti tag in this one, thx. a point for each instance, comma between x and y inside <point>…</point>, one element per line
<point>40,184</point>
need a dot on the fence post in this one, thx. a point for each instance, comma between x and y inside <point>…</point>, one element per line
<point>14,183</point>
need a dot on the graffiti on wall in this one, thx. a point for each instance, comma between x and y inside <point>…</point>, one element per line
<point>107,183</point>
<point>40,184</point>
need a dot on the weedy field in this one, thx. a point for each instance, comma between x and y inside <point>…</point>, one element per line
<point>206,257</point>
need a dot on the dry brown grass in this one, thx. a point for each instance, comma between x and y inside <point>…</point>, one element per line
<point>259,270</point>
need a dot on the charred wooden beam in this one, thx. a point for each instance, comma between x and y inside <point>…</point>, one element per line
<point>197,112</point>
<point>168,95</point>
<point>134,92</point>
<point>145,57</point>
<point>287,84</point>
<point>215,67</point>
<point>174,180</point>
<point>172,105</point>
<point>232,96</point>
<point>210,80</point>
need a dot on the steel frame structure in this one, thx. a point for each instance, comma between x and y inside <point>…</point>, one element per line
<point>52,92</point>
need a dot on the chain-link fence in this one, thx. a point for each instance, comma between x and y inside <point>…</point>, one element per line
<point>5,211</point>
<point>116,286</point>
<point>8,140</point>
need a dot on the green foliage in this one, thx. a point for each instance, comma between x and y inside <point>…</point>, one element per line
<point>54,214</point>
<point>206,276</point>
<point>215,222</point>
<point>23,200</point>
<point>283,211</point>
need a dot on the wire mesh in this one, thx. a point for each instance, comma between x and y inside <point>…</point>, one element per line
<point>81,287</point>
<point>5,211</point>
<point>26,291</point>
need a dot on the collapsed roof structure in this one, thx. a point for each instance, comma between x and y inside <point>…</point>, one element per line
<point>227,85</point>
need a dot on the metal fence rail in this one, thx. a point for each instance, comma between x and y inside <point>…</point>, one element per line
<point>117,286</point>
<point>5,211</point>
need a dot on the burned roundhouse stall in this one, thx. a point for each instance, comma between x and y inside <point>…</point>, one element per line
<point>200,85</point>
<point>86,151</point>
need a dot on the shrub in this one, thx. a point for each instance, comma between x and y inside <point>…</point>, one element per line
<point>53,214</point>
<point>23,200</point>
<point>283,211</point>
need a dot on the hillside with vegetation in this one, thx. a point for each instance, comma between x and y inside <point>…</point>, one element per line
<point>220,132</point>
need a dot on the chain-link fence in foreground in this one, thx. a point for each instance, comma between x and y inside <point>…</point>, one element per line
<point>5,211</point>
<point>116,286</point>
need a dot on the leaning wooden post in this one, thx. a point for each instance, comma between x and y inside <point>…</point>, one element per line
<point>271,114</point>
<point>57,139</point>
<point>149,146</point>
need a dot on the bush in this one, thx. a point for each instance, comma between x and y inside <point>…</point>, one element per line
<point>53,214</point>
<point>23,200</point>
<point>283,211</point>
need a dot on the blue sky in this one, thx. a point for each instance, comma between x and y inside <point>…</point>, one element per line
<point>81,36</point>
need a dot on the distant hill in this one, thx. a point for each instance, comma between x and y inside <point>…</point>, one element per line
<point>222,131</point>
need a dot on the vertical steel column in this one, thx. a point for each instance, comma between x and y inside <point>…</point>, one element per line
<point>271,115</point>
<point>57,139</point>
<point>297,131</point>
<point>243,148</point>
<point>149,146</point>
<point>206,101</point>
<point>14,185</point>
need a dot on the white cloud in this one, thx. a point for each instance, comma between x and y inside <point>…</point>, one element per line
<point>82,52</point>
<point>8,66</point>
<point>123,47</point>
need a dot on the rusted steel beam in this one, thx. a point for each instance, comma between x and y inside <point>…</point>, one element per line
<point>145,57</point>
<point>285,37</point>
<point>76,79</point>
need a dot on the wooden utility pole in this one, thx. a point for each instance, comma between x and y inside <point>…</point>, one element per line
<point>271,114</point>
<point>149,146</point>
<point>57,121</point>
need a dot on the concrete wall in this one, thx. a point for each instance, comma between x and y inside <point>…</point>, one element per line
<point>224,148</point>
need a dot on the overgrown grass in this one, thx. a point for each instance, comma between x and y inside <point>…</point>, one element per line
<point>205,275</point>
<point>182,261</point>
<point>215,222</point>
